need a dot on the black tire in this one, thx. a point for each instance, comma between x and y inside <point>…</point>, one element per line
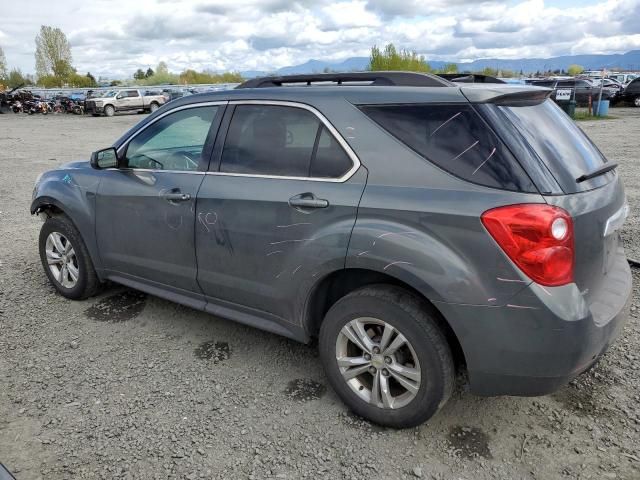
<point>417,321</point>
<point>88,283</point>
<point>636,101</point>
<point>153,107</point>
<point>109,111</point>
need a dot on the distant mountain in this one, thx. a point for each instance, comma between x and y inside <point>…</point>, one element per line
<point>624,61</point>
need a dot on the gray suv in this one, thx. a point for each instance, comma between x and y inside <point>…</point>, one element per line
<point>415,227</point>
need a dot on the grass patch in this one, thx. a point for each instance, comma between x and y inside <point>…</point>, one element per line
<point>582,115</point>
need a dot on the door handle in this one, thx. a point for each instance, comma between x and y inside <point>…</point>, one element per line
<point>176,197</point>
<point>308,200</point>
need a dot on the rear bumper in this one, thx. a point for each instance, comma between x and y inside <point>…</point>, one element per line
<point>543,338</point>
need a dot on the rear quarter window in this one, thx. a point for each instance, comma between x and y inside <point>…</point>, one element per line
<point>456,139</point>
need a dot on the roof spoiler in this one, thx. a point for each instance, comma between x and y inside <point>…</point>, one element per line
<point>470,78</point>
<point>398,79</point>
<point>514,96</point>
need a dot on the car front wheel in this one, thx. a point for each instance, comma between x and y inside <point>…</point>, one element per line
<point>65,259</point>
<point>636,101</point>
<point>386,357</point>
<point>109,111</point>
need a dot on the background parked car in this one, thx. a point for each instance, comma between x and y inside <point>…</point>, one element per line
<point>581,89</point>
<point>124,100</point>
<point>631,93</point>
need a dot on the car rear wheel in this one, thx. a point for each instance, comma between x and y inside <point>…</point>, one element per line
<point>636,101</point>
<point>386,357</point>
<point>65,259</point>
<point>109,111</point>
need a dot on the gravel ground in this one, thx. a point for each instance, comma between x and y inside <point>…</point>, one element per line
<point>129,386</point>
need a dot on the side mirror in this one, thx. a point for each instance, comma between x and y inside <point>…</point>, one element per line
<point>105,158</point>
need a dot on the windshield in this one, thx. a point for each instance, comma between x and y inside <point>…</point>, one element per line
<point>563,147</point>
<point>111,93</point>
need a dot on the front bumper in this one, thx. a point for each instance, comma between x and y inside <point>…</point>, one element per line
<point>543,338</point>
<point>93,108</point>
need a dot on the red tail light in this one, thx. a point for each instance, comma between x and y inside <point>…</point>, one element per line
<point>538,238</point>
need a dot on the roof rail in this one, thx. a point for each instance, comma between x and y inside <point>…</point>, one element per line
<point>398,79</point>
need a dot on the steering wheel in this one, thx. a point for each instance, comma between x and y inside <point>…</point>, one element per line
<point>141,158</point>
<point>189,162</point>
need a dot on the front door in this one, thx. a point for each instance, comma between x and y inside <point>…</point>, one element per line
<point>278,213</point>
<point>146,209</point>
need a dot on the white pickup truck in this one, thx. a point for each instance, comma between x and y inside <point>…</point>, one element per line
<point>123,101</point>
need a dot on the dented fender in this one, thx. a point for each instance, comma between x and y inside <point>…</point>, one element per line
<point>72,190</point>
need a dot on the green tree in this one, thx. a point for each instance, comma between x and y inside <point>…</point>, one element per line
<point>3,65</point>
<point>450,68</point>
<point>139,75</point>
<point>190,77</point>
<point>15,78</point>
<point>92,80</point>
<point>392,59</point>
<point>491,72</point>
<point>149,73</point>
<point>53,53</point>
<point>115,83</point>
<point>574,70</point>
<point>162,69</point>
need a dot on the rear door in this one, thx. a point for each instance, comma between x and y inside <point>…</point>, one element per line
<point>146,209</point>
<point>276,212</point>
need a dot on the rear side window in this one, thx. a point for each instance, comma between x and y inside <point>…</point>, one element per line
<point>281,141</point>
<point>457,140</point>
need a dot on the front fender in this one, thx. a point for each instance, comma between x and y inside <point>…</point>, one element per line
<point>73,192</point>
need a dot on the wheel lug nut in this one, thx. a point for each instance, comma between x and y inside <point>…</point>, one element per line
<point>376,350</point>
<point>372,370</point>
<point>367,356</point>
<point>385,372</point>
<point>387,360</point>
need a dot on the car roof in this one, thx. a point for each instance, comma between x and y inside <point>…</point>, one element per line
<point>370,95</point>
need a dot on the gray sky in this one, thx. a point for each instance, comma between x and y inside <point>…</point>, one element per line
<point>115,37</point>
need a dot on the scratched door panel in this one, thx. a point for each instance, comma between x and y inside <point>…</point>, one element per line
<point>141,233</point>
<point>255,250</point>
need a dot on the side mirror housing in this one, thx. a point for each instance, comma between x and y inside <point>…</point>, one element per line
<point>105,158</point>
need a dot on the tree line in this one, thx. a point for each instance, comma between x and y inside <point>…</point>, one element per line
<point>390,58</point>
<point>54,68</point>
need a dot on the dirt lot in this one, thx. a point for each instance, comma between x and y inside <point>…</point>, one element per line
<point>129,386</point>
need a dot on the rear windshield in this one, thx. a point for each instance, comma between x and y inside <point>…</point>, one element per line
<point>455,138</point>
<point>560,143</point>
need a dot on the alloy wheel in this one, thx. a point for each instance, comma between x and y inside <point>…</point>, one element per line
<point>62,260</point>
<point>378,363</point>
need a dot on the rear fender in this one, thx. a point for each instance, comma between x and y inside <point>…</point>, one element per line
<point>464,267</point>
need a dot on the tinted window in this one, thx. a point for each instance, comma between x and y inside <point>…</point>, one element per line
<point>456,139</point>
<point>279,140</point>
<point>330,161</point>
<point>561,145</point>
<point>175,142</point>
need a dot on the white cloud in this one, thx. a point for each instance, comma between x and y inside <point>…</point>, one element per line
<point>115,37</point>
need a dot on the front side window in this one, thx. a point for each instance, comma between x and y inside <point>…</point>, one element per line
<point>281,141</point>
<point>456,139</point>
<point>175,142</point>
